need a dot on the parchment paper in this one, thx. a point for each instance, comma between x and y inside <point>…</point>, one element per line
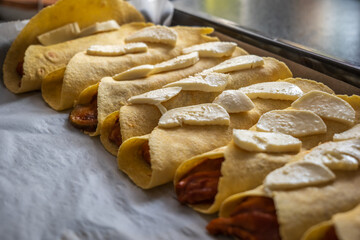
<point>57,183</point>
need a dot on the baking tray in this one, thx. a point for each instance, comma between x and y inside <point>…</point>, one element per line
<point>329,66</point>
<point>57,183</point>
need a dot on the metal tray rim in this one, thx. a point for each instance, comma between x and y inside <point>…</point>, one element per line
<point>330,66</point>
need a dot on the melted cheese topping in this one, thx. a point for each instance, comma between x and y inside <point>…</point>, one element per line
<point>238,63</point>
<point>273,90</point>
<point>156,97</point>
<point>154,34</point>
<point>212,49</point>
<point>98,27</point>
<point>234,101</point>
<point>179,62</point>
<point>65,33</point>
<point>116,50</point>
<point>212,82</point>
<point>202,114</point>
<point>353,132</point>
<point>142,71</point>
<point>134,73</point>
<point>265,142</point>
<point>344,155</point>
<point>298,174</point>
<point>327,106</point>
<point>297,123</point>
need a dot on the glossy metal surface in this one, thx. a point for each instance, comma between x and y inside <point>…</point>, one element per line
<point>329,27</point>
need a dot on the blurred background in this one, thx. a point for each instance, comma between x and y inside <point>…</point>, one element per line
<point>327,27</point>
<point>21,9</point>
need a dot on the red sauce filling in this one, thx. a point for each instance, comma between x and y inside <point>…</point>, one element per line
<point>145,152</point>
<point>20,70</point>
<point>115,133</point>
<point>200,184</point>
<point>254,219</point>
<point>84,116</point>
<point>330,234</point>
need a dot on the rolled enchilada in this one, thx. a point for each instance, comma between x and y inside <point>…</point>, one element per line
<point>111,94</point>
<point>61,88</point>
<point>203,185</point>
<point>151,160</point>
<point>295,197</point>
<point>305,124</point>
<point>345,225</point>
<point>40,60</point>
<point>242,169</point>
<point>140,119</point>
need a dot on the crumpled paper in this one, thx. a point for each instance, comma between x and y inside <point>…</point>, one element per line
<point>57,183</point>
<point>156,11</point>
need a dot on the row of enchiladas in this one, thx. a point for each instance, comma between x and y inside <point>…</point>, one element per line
<point>277,156</point>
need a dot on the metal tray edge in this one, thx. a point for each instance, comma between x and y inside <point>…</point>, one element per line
<point>329,66</point>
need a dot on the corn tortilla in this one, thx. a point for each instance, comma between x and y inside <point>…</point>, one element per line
<point>137,120</point>
<point>61,90</point>
<point>84,12</point>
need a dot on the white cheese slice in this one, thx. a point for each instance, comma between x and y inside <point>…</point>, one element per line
<point>297,175</point>
<point>353,132</point>
<point>99,27</point>
<point>156,97</point>
<point>327,106</point>
<point>179,62</point>
<point>234,101</point>
<point>202,114</point>
<point>116,50</point>
<point>154,34</point>
<point>212,82</point>
<point>65,33</point>
<point>344,155</point>
<point>297,123</point>
<point>134,73</point>
<point>253,141</point>
<point>135,47</point>
<point>212,49</point>
<point>273,90</point>
<point>238,63</point>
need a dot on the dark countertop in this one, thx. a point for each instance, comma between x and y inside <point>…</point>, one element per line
<point>329,27</point>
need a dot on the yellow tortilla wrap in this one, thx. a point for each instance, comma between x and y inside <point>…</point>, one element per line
<point>333,127</point>
<point>306,85</point>
<point>141,119</point>
<point>346,224</point>
<point>108,125</point>
<point>170,147</point>
<point>240,171</point>
<point>139,114</point>
<point>272,70</point>
<point>60,89</point>
<point>238,163</point>
<point>114,94</point>
<point>299,209</point>
<point>38,64</point>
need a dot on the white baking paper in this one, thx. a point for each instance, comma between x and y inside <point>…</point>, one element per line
<point>57,183</point>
